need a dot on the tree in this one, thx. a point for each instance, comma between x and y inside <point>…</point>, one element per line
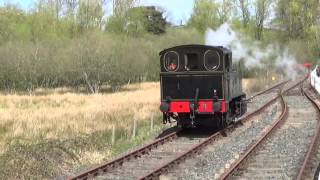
<point>205,14</point>
<point>90,14</point>
<point>148,18</point>
<point>262,8</point>
<point>138,20</point>
<point>13,24</point>
<point>243,5</point>
<point>224,10</point>
<point>295,17</point>
<point>210,14</point>
<point>155,23</point>
<point>118,21</point>
<point>121,7</point>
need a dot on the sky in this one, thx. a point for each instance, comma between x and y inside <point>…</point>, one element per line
<point>175,10</point>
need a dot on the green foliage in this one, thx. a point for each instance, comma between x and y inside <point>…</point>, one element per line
<point>243,7</point>
<point>209,13</point>
<point>297,16</point>
<point>56,45</point>
<point>69,43</point>
<point>137,21</point>
<point>262,8</point>
<point>204,15</point>
<point>154,23</point>
<point>313,33</point>
<point>13,24</point>
<point>97,58</point>
<point>90,14</point>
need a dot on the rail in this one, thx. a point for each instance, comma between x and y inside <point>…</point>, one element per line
<point>268,132</point>
<point>195,149</point>
<point>101,169</point>
<point>315,137</point>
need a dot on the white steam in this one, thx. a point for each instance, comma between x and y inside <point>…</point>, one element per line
<point>251,52</point>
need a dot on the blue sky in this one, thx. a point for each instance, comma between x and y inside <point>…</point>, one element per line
<point>176,10</point>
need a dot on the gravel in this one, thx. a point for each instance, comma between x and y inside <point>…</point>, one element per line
<point>282,154</point>
<point>260,101</point>
<point>279,158</point>
<point>215,157</point>
<point>136,168</point>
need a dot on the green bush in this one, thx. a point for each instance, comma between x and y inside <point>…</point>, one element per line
<point>97,58</point>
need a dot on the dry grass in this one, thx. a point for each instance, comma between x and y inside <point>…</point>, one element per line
<point>42,136</point>
<point>250,86</point>
<point>57,116</point>
<point>70,130</point>
<point>60,116</point>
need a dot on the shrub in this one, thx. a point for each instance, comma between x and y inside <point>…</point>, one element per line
<point>94,59</point>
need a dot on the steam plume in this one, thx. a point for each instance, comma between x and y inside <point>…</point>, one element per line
<point>251,52</point>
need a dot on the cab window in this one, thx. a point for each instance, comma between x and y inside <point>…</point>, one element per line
<point>191,62</point>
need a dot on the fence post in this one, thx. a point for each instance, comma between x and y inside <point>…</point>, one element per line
<point>151,123</point>
<point>113,138</point>
<point>134,128</point>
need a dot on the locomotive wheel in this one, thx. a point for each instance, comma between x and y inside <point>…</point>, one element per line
<point>223,124</point>
<point>183,123</point>
<point>224,121</point>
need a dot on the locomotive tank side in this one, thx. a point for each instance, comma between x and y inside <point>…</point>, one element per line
<point>199,87</point>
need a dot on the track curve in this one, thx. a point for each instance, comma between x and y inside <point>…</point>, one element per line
<point>254,163</point>
<point>309,164</point>
<point>178,158</point>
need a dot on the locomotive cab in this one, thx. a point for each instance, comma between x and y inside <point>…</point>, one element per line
<point>199,87</point>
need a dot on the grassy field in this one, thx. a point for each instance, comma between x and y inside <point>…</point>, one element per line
<point>49,135</point>
<point>45,135</point>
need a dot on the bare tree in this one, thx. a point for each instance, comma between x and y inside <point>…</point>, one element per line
<point>243,5</point>
<point>297,16</point>
<point>120,7</point>
<point>71,6</point>
<point>224,11</point>
<point>262,8</point>
<point>90,13</point>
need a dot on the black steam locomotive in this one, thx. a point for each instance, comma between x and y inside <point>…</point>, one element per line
<point>199,86</point>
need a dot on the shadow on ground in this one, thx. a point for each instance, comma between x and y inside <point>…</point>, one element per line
<point>192,132</point>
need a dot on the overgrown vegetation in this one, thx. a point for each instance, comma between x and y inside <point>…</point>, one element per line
<point>94,59</point>
<point>72,43</point>
<point>73,46</point>
<point>54,135</point>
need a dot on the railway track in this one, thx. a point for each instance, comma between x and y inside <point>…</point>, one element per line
<point>279,151</point>
<point>311,162</point>
<point>168,151</point>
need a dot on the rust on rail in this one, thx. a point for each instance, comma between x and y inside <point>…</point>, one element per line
<point>96,171</point>
<point>314,139</point>
<point>195,149</point>
<point>282,117</point>
<point>119,161</point>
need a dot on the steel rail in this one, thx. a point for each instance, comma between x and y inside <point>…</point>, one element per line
<point>314,139</point>
<point>196,148</point>
<point>282,117</point>
<point>242,158</point>
<point>95,171</point>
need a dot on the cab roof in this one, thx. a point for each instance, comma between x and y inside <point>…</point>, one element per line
<point>220,48</point>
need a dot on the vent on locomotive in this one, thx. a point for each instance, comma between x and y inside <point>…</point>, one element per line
<point>171,61</point>
<point>211,60</point>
